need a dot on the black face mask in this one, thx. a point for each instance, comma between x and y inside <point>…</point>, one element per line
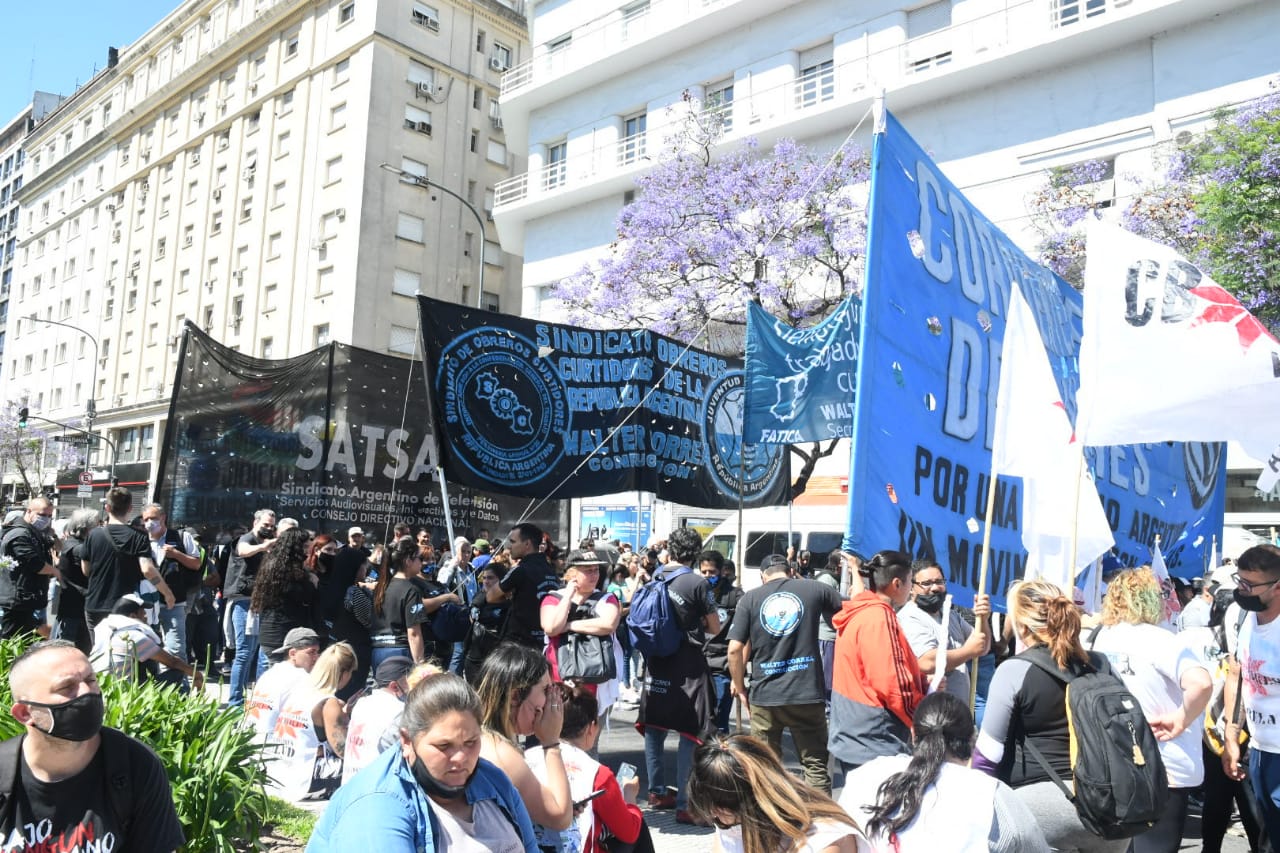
<point>433,787</point>
<point>1251,603</point>
<point>931,602</point>
<point>78,719</point>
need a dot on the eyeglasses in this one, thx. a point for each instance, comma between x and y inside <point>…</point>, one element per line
<point>941,582</point>
<point>1247,587</point>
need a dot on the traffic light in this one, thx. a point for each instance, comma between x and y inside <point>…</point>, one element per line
<point>22,417</point>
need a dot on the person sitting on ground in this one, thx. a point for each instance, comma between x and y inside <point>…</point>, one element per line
<point>305,750</point>
<point>740,785</point>
<point>613,814</point>
<point>375,719</point>
<point>932,800</point>
<point>300,651</point>
<point>435,792</point>
<point>125,646</point>
<point>519,699</point>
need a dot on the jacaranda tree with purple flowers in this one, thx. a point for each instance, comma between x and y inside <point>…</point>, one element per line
<point>1217,201</point>
<point>706,234</point>
<point>28,451</point>
<point>686,255</point>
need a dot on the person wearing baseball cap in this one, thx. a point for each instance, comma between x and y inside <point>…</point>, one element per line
<point>581,607</point>
<point>375,720</point>
<point>125,646</point>
<point>296,658</point>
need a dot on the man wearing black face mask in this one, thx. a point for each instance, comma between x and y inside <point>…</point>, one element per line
<point>921,619</point>
<point>24,588</point>
<point>68,782</point>
<point>1255,669</point>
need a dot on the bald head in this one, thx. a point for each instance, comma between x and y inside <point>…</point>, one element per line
<point>49,668</point>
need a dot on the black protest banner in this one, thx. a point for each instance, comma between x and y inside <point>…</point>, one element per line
<point>548,410</point>
<point>334,437</point>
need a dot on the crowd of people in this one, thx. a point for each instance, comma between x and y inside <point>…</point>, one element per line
<point>451,696</point>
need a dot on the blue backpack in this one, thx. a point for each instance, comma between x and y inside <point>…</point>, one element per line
<point>655,630</point>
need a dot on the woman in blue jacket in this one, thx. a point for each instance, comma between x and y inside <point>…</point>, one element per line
<point>433,792</point>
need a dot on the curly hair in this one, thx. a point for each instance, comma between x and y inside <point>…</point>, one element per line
<point>1133,596</point>
<point>284,564</point>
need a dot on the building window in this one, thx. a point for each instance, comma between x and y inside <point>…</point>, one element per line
<point>412,167</point>
<point>425,16</point>
<point>324,281</point>
<point>633,17</point>
<point>341,72</point>
<point>558,44</point>
<point>403,339</point>
<point>924,49</point>
<point>817,83</point>
<point>320,335</point>
<point>633,133</point>
<point>160,247</point>
<point>246,208</point>
<point>215,226</point>
<point>1068,12</point>
<point>291,45</point>
<point>282,144</point>
<point>416,118</point>
<point>410,227</point>
<point>273,245</point>
<point>346,12</point>
<point>338,117</point>
<point>278,194</point>
<point>146,440</point>
<point>406,282</point>
<point>501,57</point>
<point>286,103</point>
<point>333,170</point>
<point>555,168</point>
<point>265,348</point>
<point>719,103</point>
<point>479,41</point>
<point>269,294</point>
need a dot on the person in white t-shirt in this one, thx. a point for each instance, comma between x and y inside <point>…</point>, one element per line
<point>375,719</point>
<point>125,646</point>
<point>907,803</point>
<point>301,649</point>
<point>1170,683</point>
<point>1256,669</point>
<point>739,784</point>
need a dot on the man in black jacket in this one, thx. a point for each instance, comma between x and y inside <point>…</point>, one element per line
<point>24,587</point>
<point>726,596</point>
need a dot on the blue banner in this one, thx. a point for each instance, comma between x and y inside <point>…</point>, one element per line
<point>937,285</point>
<point>800,382</point>
<point>631,524</point>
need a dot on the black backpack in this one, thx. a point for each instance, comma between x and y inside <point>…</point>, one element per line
<point>1120,781</point>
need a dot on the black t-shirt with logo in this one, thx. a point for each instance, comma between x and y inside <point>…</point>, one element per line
<point>527,583</point>
<point>780,620</point>
<point>401,609</point>
<point>691,595</point>
<point>113,569</point>
<point>77,814</point>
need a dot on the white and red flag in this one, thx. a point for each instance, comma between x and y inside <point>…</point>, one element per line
<point>1167,354</point>
<point>1034,440</point>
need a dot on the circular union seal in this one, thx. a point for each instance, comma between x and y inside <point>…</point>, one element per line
<point>750,469</point>
<point>503,406</point>
<point>780,613</point>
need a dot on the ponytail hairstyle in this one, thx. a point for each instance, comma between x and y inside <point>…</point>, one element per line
<point>941,730</point>
<point>1049,618</point>
<point>394,560</point>
<point>742,775</point>
<point>881,569</point>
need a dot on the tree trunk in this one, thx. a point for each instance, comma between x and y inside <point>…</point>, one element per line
<point>816,452</point>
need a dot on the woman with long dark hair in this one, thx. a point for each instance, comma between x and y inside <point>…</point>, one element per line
<point>740,785</point>
<point>284,590</point>
<point>932,800</point>
<point>399,610</point>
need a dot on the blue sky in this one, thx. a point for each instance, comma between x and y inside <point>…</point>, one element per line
<point>53,44</point>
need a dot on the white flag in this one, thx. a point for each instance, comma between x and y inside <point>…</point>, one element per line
<point>1034,441</point>
<point>1171,604</point>
<point>1168,355</point>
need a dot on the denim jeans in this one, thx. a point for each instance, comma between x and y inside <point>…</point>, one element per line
<point>173,630</point>
<point>456,660</point>
<point>655,742</point>
<point>246,651</point>
<point>724,700</point>
<point>1264,775</point>
<point>381,654</point>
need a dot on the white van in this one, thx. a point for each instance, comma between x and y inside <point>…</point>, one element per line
<point>818,529</point>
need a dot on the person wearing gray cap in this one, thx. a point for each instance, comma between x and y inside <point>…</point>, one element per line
<point>300,650</point>
<point>375,720</point>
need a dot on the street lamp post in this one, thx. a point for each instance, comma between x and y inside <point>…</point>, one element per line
<point>423,181</point>
<point>90,407</point>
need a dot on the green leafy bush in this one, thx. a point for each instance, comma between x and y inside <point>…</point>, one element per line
<point>214,767</point>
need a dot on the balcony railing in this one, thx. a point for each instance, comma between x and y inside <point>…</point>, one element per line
<point>604,36</point>
<point>829,86</point>
<point>598,41</point>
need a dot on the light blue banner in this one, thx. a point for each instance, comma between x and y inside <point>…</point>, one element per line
<point>800,382</point>
<point>937,286</point>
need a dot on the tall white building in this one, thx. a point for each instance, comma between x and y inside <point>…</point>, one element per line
<point>999,91</point>
<point>12,154</point>
<point>252,166</point>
